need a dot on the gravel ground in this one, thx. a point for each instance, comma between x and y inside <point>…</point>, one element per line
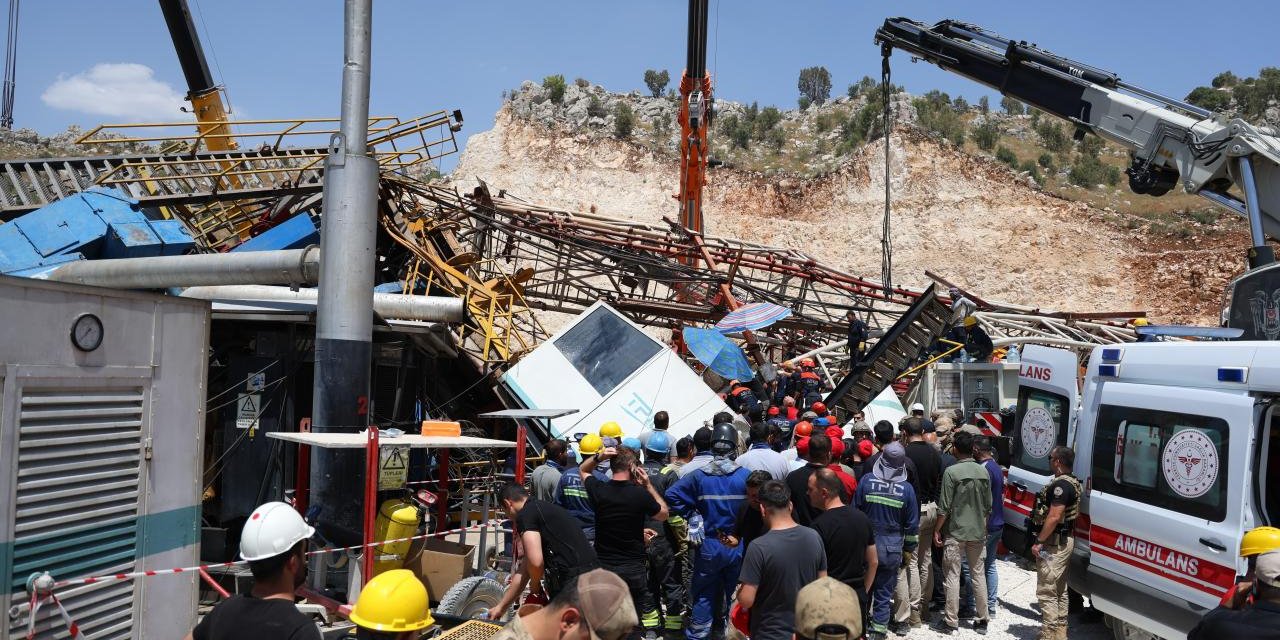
<point>1019,616</point>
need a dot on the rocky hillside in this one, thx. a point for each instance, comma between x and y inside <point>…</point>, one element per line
<point>957,212</point>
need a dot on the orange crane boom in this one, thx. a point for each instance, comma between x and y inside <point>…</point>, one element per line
<point>696,106</point>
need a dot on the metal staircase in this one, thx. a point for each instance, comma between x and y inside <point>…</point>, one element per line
<point>901,347</point>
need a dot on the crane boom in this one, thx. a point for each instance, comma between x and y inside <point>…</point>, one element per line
<point>695,114</point>
<point>1172,143</point>
<point>202,91</point>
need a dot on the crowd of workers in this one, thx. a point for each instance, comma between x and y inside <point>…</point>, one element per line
<point>710,533</point>
<point>802,531</point>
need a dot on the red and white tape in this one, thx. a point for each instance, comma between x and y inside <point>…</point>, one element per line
<point>41,588</point>
<point>492,525</point>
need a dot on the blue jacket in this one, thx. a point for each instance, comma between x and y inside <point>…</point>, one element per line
<point>893,510</point>
<point>572,495</point>
<point>715,491</point>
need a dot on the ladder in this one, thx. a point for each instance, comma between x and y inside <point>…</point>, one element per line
<point>901,347</point>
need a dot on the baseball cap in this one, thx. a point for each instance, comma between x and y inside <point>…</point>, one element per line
<point>917,407</point>
<point>605,602</point>
<point>1268,568</point>
<point>827,609</point>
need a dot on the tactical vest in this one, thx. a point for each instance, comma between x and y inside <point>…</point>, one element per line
<point>1040,511</point>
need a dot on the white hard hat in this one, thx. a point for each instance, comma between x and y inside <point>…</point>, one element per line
<point>273,528</point>
<point>917,407</point>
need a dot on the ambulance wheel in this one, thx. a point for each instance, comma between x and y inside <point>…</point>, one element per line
<point>1122,630</point>
<point>471,597</point>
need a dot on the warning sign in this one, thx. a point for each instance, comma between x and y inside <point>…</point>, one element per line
<point>393,467</point>
<point>248,406</point>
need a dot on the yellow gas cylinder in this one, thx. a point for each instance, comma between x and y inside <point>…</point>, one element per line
<point>396,519</point>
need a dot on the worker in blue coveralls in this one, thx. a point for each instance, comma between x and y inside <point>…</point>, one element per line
<point>889,501</point>
<point>712,494</point>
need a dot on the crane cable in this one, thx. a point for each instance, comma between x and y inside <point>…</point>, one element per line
<point>10,68</point>
<point>886,242</point>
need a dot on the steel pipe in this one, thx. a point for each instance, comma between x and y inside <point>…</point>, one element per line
<point>392,306</point>
<point>293,267</point>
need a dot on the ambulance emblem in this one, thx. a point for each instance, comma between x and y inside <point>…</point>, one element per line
<point>1039,432</point>
<point>1190,463</point>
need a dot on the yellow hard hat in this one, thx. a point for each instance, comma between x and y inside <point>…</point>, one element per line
<point>590,444</point>
<point>1259,540</point>
<point>1140,322</point>
<point>969,321</point>
<point>610,430</point>
<point>394,601</point>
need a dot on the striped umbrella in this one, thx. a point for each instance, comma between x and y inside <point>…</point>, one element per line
<point>750,317</point>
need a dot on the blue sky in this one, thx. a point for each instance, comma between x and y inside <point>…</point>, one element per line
<point>281,59</point>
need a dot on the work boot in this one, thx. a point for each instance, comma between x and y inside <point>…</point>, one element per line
<point>899,628</point>
<point>980,627</point>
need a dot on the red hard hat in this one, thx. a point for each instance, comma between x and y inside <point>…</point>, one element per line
<point>835,433</point>
<point>837,448</point>
<point>866,449</point>
<point>807,362</point>
<point>773,411</point>
<point>819,408</point>
<point>802,445</point>
<point>803,429</point>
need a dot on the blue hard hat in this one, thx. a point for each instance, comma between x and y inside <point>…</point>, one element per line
<point>631,442</point>
<point>659,442</point>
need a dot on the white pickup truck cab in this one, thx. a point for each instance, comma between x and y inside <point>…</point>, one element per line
<point>1176,444</point>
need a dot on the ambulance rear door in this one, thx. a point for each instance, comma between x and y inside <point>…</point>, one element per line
<point>1167,477</point>
<point>1048,396</point>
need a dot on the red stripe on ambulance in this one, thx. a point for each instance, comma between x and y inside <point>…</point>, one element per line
<point>1192,571</point>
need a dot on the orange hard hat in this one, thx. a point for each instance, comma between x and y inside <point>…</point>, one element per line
<point>819,408</point>
<point>803,429</point>
<point>773,411</point>
<point>807,362</point>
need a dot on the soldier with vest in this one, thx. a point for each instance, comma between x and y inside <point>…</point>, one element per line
<point>1052,517</point>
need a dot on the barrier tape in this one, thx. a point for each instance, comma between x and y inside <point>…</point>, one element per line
<point>41,590</point>
<point>220,565</point>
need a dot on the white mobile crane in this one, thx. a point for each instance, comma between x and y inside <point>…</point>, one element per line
<point>1173,143</point>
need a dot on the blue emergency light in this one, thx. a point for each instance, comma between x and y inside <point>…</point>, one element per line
<point>1112,356</point>
<point>1108,371</point>
<point>1233,374</point>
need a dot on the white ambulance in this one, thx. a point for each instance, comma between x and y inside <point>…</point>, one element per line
<point>1175,444</point>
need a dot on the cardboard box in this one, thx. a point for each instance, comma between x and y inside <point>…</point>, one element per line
<point>441,565</point>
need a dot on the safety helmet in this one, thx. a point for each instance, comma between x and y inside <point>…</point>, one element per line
<point>819,408</point>
<point>1141,322</point>
<point>393,601</point>
<point>1259,540</point>
<point>659,442</point>
<point>969,321</point>
<point>773,411</point>
<point>590,444</point>
<point>610,430</point>
<point>807,362</point>
<point>803,429</point>
<point>631,442</point>
<point>273,528</point>
<point>724,438</point>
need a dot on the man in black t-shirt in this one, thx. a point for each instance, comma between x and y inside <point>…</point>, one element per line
<point>555,548</point>
<point>916,576</point>
<point>846,535</point>
<point>274,542</point>
<point>622,506</point>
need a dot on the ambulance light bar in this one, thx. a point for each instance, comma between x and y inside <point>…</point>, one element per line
<point>1112,355</point>
<point>1233,374</point>
<point>1108,371</point>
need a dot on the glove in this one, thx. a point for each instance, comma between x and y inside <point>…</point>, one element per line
<point>697,531</point>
